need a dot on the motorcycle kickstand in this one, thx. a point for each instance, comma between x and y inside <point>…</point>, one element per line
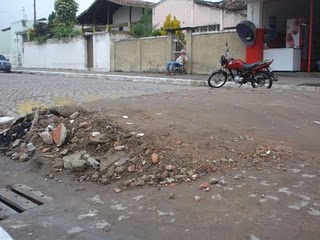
<point>240,85</point>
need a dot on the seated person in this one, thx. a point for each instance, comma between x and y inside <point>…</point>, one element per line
<point>180,61</point>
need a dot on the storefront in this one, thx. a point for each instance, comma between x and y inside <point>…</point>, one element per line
<point>287,31</point>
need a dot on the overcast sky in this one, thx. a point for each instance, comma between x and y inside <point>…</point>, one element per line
<point>15,10</point>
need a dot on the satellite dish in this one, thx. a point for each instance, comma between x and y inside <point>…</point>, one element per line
<point>247,32</point>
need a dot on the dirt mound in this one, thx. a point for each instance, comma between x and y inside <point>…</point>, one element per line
<point>97,149</point>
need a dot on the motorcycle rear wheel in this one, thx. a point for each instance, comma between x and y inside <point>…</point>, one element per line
<point>217,79</point>
<point>261,80</point>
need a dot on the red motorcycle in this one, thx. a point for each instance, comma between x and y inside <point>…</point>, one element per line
<point>258,74</point>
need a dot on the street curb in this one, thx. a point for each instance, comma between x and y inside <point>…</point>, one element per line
<point>158,80</point>
<point>143,79</point>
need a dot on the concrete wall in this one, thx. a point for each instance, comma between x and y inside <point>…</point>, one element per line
<point>139,55</point>
<point>59,54</point>
<point>151,54</point>
<point>124,56</point>
<point>69,53</point>
<point>208,47</point>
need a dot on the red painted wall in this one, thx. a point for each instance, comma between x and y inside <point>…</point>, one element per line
<point>254,53</point>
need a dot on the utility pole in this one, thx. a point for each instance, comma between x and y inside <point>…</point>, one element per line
<point>34,12</point>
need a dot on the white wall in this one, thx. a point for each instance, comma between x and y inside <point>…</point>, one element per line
<point>205,15</point>
<point>101,49</point>
<point>232,19</point>
<point>181,9</point>
<point>59,54</point>
<point>191,14</point>
<point>254,12</point>
<point>5,43</point>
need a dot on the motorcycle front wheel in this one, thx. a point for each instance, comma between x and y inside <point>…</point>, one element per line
<point>217,79</point>
<point>261,80</point>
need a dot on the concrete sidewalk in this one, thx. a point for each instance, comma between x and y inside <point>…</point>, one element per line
<point>286,80</point>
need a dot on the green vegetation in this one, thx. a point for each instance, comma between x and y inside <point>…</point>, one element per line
<point>172,23</point>
<point>65,19</point>
<point>61,23</point>
<point>144,28</point>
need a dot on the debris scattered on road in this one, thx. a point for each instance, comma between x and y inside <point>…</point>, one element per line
<point>197,198</point>
<point>171,196</point>
<point>204,186</point>
<point>98,150</point>
<point>6,120</point>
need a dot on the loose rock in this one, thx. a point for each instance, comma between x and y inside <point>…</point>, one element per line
<point>155,158</point>
<point>119,148</point>
<point>93,162</point>
<point>122,161</point>
<point>59,134</point>
<point>64,152</point>
<point>140,182</point>
<point>46,138</point>
<point>120,169</point>
<point>16,143</point>
<point>24,157</point>
<point>82,178</point>
<point>131,168</point>
<point>204,186</point>
<point>74,115</point>
<point>83,125</point>
<point>105,180</point>
<point>15,156</point>
<point>197,198</point>
<point>111,171</point>
<point>222,182</point>
<point>214,181</point>
<point>171,196</point>
<point>169,167</point>
<point>58,163</point>
<point>95,177</point>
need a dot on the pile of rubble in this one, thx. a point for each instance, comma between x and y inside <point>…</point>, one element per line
<point>93,147</point>
<point>90,145</point>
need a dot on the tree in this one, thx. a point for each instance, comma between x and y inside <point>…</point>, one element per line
<point>41,30</point>
<point>144,28</point>
<point>172,24</point>
<point>66,11</point>
<point>65,18</point>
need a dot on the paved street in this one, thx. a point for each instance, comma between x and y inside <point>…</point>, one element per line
<point>19,92</point>
<point>261,197</point>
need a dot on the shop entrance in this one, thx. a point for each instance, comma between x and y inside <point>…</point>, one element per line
<point>289,26</point>
<point>315,50</point>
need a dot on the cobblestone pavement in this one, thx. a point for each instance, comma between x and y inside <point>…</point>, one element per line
<point>20,92</point>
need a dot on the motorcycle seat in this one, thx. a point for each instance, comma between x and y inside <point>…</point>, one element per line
<point>250,66</point>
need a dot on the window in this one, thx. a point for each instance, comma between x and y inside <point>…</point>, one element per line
<point>208,28</point>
